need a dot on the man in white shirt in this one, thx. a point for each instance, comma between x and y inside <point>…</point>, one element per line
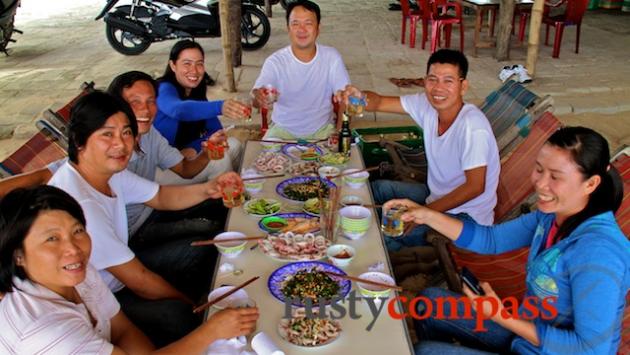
<point>306,75</point>
<point>462,154</point>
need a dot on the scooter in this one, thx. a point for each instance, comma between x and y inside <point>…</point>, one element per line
<point>7,17</point>
<point>130,29</point>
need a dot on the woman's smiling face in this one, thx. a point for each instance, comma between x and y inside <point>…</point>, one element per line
<point>189,68</point>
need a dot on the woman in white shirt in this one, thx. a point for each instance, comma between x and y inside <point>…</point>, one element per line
<point>55,302</point>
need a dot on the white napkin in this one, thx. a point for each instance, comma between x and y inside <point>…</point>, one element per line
<point>379,266</point>
<point>226,268</point>
<point>263,345</point>
<point>234,346</point>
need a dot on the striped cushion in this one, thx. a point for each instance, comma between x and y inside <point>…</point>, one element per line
<point>506,272</point>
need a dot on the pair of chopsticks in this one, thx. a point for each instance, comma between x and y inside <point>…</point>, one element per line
<point>352,172</point>
<point>364,281</point>
<point>225,295</point>
<point>263,177</point>
<point>299,141</point>
<point>214,241</point>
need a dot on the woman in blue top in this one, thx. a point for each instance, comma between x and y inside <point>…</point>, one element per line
<point>579,261</point>
<point>185,116</point>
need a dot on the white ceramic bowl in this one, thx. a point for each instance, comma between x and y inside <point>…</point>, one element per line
<point>326,171</point>
<point>271,147</point>
<point>337,249</point>
<point>367,290</point>
<point>230,249</point>
<point>253,186</point>
<point>355,221</point>
<point>235,300</point>
<point>355,181</point>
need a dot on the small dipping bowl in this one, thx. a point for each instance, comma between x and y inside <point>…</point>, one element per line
<point>355,221</point>
<point>355,181</point>
<point>340,254</point>
<point>271,146</point>
<point>230,249</point>
<point>252,186</point>
<point>270,223</point>
<point>368,290</point>
<point>351,200</point>
<point>326,171</point>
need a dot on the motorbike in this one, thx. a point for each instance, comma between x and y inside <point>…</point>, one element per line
<point>130,29</point>
<point>7,18</point>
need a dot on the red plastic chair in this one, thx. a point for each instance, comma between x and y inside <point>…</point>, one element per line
<point>422,14</point>
<point>572,16</point>
<point>440,17</point>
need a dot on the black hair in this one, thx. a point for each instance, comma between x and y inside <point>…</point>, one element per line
<point>18,211</point>
<point>450,56</point>
<point>589,151</point>
<point>89,114</point>
<point>126,80</point>
<point>198,93</point>
<point>308,5</point>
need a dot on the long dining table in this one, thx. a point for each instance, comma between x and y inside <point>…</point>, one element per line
<point>387,336</point>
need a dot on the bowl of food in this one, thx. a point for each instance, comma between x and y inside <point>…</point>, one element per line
<point>355,221</point>
<point>252,186</point>
<point>271,144</point>
<point>230,249</point>
<point>274,224</point>
<point>340,254</point>
<point>355,180</point>
<point>326,172</point>
<point>351,200</point>
<point>334,159</point>
<point>368,290</point>
<point>312,207</point>
<point>262,207</point>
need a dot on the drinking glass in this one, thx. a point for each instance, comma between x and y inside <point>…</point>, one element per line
<point>270,95</point>
<point>247,101</point>
<point>356,106</point>
<point>233,196</point>
<point>391,222</point>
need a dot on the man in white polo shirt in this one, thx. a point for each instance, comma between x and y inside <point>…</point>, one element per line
<point>306,75</point>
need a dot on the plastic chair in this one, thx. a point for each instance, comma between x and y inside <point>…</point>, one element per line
<point>440,17</point>
<point>421,14</point>
<point>572,16</point>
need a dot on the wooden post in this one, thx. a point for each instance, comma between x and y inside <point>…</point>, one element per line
<point>506,12</point>
<point>226,44</point>
<point>268,8</point>
<point>533,42</point>
<point>235,10</point>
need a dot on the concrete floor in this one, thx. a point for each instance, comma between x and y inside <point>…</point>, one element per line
<point>62,46</point>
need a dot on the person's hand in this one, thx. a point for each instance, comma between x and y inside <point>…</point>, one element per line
<point>236,110</point>
<point>232,322</point>
<point>397,203</point>
<point>341,96</point>
<point>227,179</point>
<point>489,305</point>
<point>218,138</point>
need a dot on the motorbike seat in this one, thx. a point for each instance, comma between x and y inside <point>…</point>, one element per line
<point>177,3</point>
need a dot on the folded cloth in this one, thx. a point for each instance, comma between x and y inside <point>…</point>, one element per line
<point>234,346</point>
<point>263,345</point>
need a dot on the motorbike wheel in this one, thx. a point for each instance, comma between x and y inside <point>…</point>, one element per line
<point>125,42</point>
<point>5,34</point>
<point>255,28</point>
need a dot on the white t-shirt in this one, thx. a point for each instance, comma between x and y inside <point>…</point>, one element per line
<point>35,320</point>
<point>305,89</point>
<point>106,217</point>
<point>469,143</point>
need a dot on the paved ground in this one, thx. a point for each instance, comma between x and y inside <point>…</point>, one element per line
<point>63,46</point>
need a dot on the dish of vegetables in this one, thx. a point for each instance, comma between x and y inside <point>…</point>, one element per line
<point>262,207</point>
<point>334,159</point>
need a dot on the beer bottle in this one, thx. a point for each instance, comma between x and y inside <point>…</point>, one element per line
<point>345,136</point>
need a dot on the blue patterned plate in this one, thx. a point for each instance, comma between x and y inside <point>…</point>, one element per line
<point>262,227</point>
<point>278,277</point>
<point>295,150</point>
<point>300,180</point>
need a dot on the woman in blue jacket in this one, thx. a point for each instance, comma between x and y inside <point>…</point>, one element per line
<point>579,261</point>
<point>185,116</point>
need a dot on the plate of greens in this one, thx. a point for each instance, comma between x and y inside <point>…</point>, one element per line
<point>262,207</point>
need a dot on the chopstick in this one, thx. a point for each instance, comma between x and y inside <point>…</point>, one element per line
<point>214,241</point>
<point>225,295</point>
<point>356,279</point>
<point>299,142</point>
<point>352,172</point>
<point>263,177</point>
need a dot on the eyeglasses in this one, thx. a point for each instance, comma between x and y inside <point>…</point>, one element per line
<point>449,82</point>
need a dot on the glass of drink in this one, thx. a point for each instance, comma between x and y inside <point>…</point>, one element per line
<point>233,196</point>
<point>215,152</point>
<point>270,95</point>
<point>246,100</point>
<point>391,222</point>
<point>356,106</point>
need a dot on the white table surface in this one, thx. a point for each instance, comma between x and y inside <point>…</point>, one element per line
<point>388,336</point>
